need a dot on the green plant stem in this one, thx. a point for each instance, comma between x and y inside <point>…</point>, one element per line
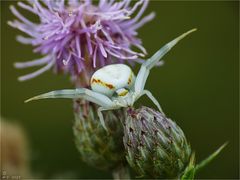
<point>121,172</point>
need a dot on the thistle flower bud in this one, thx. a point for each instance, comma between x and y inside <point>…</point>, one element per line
<point>155,145</point>
<point>98,148</point>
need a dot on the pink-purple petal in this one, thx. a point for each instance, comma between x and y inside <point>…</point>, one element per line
<point>103,33</point>
<point>36,73</point>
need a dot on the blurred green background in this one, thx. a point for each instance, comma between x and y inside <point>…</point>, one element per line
<point>197,87</point>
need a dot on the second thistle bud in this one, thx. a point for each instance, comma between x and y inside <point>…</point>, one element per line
<point>99,148</point>
<point>155,145</point>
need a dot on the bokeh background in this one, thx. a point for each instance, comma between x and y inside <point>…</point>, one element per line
<point>197,87</point>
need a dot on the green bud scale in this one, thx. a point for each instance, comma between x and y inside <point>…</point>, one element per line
<point>98,148</point>
<point>155,145</point>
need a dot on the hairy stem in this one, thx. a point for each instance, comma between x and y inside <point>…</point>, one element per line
<point>121,172</point>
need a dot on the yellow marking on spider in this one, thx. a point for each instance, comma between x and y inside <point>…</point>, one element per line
<point>123,92</point>
<point>98,81</point>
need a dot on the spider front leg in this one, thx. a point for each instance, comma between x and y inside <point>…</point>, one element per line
<point>103,101</point>
<point>89,95</point>
<point>150,63</point>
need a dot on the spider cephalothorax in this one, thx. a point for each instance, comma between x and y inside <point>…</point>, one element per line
<point>115,86</point>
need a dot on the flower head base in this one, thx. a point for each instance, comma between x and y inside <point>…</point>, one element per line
<point>98,148</point>
<point>73,35</point>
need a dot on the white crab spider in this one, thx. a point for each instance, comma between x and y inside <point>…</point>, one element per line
<point>115,86</point>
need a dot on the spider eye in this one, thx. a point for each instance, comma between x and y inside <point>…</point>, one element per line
<point>111,78</point>
<point>122,92</point>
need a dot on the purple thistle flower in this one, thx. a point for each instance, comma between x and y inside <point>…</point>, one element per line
<point>74,36</point>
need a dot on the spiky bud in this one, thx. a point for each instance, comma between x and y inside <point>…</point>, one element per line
<point>97,147</point>
<point>155,145</point>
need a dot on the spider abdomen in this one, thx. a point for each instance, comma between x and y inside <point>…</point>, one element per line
<point>111,78</point>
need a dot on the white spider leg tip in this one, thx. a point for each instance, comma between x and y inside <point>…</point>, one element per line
<point>175,41</point>
<point>192,30</point>
<point>34,98</point>
<point>41,96</point>
<point>28,100</point>
<point>100,115</point>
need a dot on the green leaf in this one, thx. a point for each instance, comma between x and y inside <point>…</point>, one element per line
<point>210,158</point>
<point>189,174</point>
<point>190,170</point>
